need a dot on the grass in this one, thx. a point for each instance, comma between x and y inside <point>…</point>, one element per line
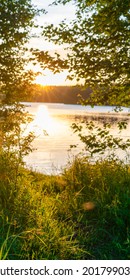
<point>84,213</point>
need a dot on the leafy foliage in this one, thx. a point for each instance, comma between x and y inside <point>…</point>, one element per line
<point>99,140</point>
<point>16,21</point>
<point>97,48</point>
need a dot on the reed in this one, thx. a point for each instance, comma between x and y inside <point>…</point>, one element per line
<point>81,214</point>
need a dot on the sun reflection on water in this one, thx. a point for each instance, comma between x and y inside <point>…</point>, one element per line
<point>43,122</point>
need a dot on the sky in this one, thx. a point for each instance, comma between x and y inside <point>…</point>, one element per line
<point>55,15</point>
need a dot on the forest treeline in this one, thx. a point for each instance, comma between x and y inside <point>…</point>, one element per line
<point>57,94</point>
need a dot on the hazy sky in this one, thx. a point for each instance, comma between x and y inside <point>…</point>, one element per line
<point>55,15</point>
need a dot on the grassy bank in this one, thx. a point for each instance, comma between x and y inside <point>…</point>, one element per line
<point>82,214</point>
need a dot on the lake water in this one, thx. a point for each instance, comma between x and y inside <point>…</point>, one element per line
<point>52,149</point>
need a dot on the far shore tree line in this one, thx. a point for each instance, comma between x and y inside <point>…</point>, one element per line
<point>57,94</point>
